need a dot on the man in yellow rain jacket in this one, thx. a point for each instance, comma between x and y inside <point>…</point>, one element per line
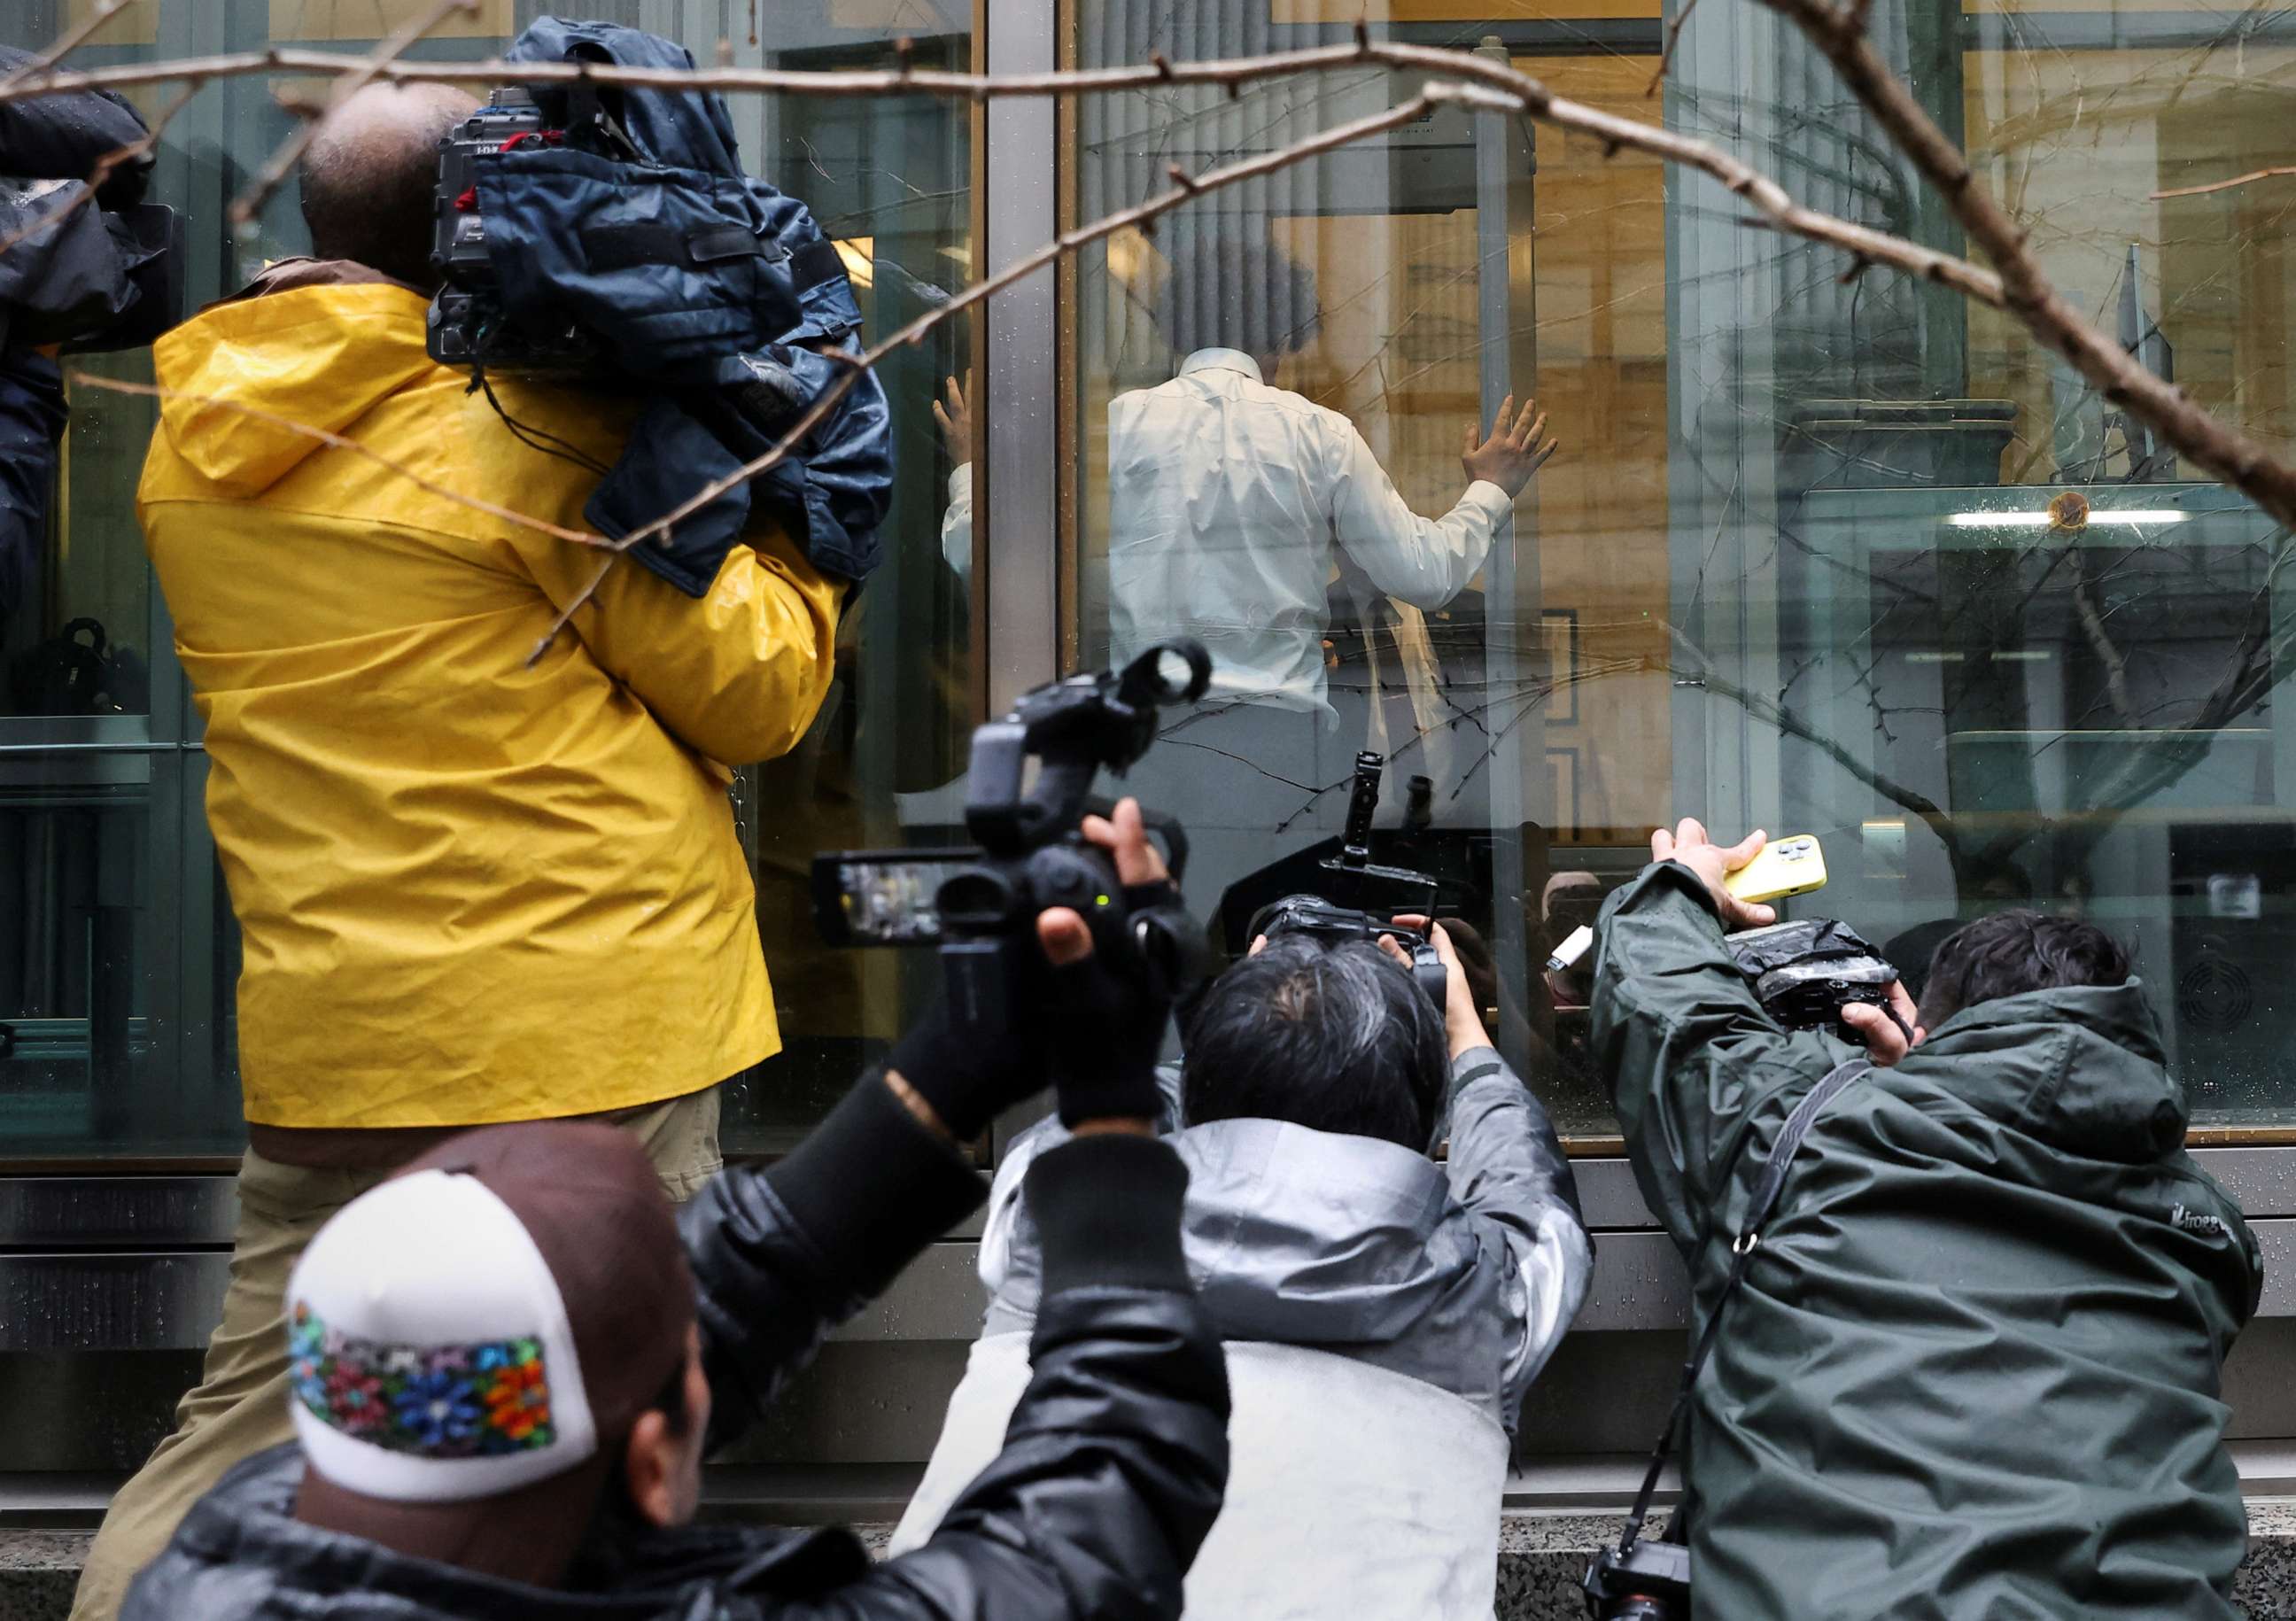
<point>470,890</point>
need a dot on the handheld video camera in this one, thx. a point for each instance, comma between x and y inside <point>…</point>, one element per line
<point>1357,876</point>
<point>979,905</point>
<point>469,322</point>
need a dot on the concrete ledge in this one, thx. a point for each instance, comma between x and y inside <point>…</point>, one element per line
<point>1541,1558</point>
<point>38,1570</point>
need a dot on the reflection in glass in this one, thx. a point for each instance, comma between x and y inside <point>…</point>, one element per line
<point>1824,553</point>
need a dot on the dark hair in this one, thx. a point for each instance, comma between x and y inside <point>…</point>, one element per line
<point>366,191</point>
<point>1330,1036</point>
<point>2010,952</point>
<point>1236,293</point>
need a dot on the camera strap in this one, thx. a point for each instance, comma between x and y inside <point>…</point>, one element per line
<point>1742,1257</point>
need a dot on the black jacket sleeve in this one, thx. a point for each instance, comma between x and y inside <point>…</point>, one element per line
<point>1116,1457</point>
<point>782,1255</point>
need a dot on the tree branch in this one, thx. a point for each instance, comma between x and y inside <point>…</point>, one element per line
<point>1673,40</point>
<point>70,40</point>
<point>2227,185</point>
<point>118,385</point>
<point>2100,639</point>
<point>2226,453</point>
<point>1520,92</point>
<point>1185,188</point>
<point>106,165</point>
<point>250,202</point>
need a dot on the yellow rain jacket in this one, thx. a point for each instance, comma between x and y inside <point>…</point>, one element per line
<point>470,891</point>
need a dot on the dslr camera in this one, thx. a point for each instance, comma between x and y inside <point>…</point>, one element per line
<point>1805,973</point>
<point>1644,1580</point>
<point>977,906</point>
<point>1358,876</point>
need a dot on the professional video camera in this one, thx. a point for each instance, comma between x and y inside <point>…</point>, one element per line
<point>609,233</point>
<point>979,906</point>
<point>1805,973</point>
<point>1360,879</point>
<point>469,322</point>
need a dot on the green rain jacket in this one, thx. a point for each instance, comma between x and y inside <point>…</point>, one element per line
<point>1975,1368</point>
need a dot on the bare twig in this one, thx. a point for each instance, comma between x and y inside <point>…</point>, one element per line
<point>1702,671</point>
<point>1185,188</point>
<point>1522,93</point>
<point>1673,40</point>
<point>106,165</point>
<point>68,41</point>
<point>250,202</point>
<point>2091,614</point>
<point>118,385</point>
<point>2226,453</point>
<point>2273,173</point>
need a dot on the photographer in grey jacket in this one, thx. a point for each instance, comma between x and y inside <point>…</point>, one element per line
<point>1383,1312</point>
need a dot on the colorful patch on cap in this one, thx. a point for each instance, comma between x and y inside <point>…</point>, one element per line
<point>464,1401</point>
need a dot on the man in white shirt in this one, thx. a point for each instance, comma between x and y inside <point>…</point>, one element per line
<point>1229,502</point>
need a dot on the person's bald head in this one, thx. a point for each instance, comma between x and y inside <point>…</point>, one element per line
<point>369,174</point>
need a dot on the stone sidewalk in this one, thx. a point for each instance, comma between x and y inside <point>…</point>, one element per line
<point>1541,1557</point>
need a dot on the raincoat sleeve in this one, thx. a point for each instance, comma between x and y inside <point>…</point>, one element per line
<point>1691,1059</point>
<point>1116,1457</point>
<point>738,675</point>
<point>1424,562</point>
<point>1507,1170</point>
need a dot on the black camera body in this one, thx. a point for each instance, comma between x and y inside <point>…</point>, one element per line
<point>1805,973</point>
<point>1357,878</point>
<point>1311,914</point>
<point>979,905</point>
<point>468,322</point>
<point>1646,1581</point>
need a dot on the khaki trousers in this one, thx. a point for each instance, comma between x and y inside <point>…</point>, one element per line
<point>239,1406</point>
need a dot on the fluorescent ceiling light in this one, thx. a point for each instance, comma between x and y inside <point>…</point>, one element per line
<point>2041,520</point>
<point>1935,657</point>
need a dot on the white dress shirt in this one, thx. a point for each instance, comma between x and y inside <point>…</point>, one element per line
<point>1225,499</point>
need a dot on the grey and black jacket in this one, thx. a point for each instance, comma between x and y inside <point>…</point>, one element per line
<point>1109,1477</point>
<point>1465,1274</point>
<point>1976,1367</point>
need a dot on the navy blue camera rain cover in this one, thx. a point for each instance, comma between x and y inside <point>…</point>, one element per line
<point>704,285</point>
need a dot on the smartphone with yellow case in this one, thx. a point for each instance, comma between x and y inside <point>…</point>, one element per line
<point>1793,866</point>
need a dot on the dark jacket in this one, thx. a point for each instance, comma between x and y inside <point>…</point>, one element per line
<point>1975,1369</point>
<point>1111,1475</point>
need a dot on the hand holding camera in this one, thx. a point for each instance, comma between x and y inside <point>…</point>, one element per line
<point>1103,1014</point>
<point>1106,1013</point>
<point>1462,1022</point>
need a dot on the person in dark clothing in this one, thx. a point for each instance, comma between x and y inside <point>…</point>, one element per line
<point>1975,1366</point>
<point>32,416</point>
<point>506,1376</point>
<point>50,279</point>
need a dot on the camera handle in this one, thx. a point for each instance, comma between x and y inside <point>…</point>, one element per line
<point>1742,1257</point>
<point>1073,728</point>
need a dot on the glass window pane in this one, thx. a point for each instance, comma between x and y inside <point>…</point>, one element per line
<point>1795,566</point>
<point>117,957</point>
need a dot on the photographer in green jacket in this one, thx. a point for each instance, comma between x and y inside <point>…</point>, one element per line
<point>1975,1366</point>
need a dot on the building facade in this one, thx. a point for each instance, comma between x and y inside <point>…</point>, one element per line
<point>1794,567</point>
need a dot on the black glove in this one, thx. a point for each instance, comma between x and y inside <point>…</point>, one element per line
<point>1104,1029</point>
<point>965,1074</point>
